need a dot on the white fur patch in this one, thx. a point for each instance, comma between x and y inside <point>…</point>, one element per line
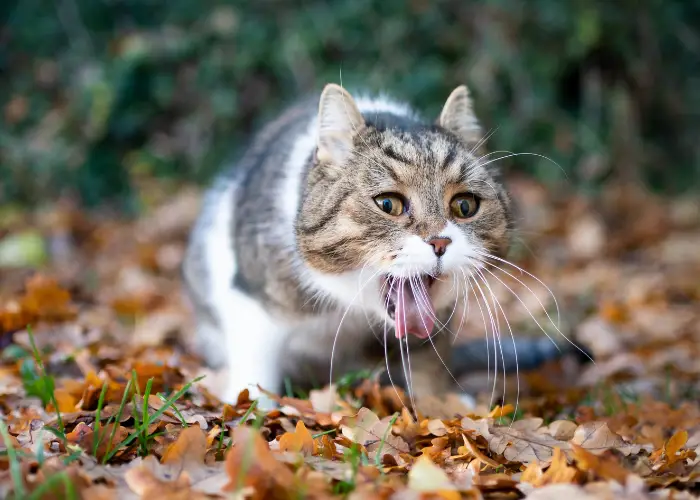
<point>460,253</point>
<point>220,257</point>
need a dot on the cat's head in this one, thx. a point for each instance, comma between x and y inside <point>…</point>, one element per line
<point>404,209</point>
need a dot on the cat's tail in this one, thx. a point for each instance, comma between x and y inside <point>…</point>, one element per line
<point>522,354</point>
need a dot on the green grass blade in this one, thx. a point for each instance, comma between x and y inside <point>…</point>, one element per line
<point>52,484</point>
<point>378,456</point>
<point>15,466</point>
<point>48,381</point>
<point>131,437</point>
<point>96,427</point>
<point>177,412</point>
<point>117,420</point>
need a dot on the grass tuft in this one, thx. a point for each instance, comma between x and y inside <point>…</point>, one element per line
<point>142,428</point>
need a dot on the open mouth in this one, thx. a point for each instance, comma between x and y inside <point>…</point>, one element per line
<point>409,304</point>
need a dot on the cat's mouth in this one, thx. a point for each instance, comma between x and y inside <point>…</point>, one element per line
<point>409,304</point>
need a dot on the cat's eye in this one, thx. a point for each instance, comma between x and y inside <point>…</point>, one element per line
<point>390,203</point>
<point>464,206</point>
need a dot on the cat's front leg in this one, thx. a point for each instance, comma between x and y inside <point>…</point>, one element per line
<point>254,343</point>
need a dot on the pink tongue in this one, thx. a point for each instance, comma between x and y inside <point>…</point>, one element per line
<point>414,315</point>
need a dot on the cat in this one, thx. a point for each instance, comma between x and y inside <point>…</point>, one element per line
<point>343,239</point>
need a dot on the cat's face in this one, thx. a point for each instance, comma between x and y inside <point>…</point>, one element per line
<point>400,217</point>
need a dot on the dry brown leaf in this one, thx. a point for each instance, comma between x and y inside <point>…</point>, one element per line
<point>559,471</point>
<point>374,434</point>
<point>597,437</point>
<point>427,477</point>
<point>562,430</point>
<point>604,466</point>
<point>560,492</point>
<point>299,441</point>
<point>144,482</point>
<point>189,448</point>
<point>324,400</point>
<point>471,447</point>
<point>523,446</point>
<point>250,463</point>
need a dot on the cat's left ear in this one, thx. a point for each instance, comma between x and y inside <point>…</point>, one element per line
<point>339,120</point>
<point>458,117</point>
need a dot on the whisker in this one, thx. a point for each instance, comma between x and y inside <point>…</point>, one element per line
<point>510,155</point>
<point>486,329</point>
<point>496,339</point>
<point>406,369</point>
<point>386,349</point>
<point>335,338</point>
<point>523,271</point>
<point>538,323</point>
<point>421,288</point>
<point>465,312</point>
<point>515,348</point>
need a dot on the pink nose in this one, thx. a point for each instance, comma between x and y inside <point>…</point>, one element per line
<point>440,245</point>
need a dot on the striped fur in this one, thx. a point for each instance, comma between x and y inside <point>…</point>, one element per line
<point>285,263</point>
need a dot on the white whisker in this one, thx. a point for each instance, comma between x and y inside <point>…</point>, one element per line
<point>538,323</point>
<point>523,271</point>
<point>497,303</point>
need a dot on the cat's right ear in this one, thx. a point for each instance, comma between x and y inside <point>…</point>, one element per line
<point>339,120</point>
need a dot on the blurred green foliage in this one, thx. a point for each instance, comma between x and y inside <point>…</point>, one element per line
<point>97,94</point>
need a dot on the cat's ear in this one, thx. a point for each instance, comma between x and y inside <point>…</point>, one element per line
<point>458,117</point>
<point>339,121</point>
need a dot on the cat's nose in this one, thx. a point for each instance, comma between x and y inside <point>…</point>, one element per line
<point>439,245</point>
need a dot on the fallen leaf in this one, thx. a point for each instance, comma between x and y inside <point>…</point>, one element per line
<point>427,477</point>
<point>299,441</point>
<point>190,447</point>
<point>604,466</point>
<point>374,434</point>
<point>250,463</point>
<point>144,482</point>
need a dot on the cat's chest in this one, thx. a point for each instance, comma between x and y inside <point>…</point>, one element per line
<point>336,327</point>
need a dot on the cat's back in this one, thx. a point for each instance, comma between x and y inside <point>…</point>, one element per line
<point>241,200</point>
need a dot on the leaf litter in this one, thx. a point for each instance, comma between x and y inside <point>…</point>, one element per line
<point>101,398</point>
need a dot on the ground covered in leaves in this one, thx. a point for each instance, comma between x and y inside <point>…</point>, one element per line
<point>100,397</point>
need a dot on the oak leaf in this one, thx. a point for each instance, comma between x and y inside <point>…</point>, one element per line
<point>374,434</point>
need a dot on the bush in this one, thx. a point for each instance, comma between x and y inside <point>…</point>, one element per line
<point>99,94</point>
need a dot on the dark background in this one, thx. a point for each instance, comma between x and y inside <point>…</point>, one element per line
<point>99,96</point>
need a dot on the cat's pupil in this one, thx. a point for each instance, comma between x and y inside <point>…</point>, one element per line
<point>387,205</point>
<point>464,207</point>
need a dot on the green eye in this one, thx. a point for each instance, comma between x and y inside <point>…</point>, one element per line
<point>390,203</point>
<point>464,206</point>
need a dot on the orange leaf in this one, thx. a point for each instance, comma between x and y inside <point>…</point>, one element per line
<point>327,447</point>
<point>250,463</point>
<point>299,441</point>
<point>502,411</point>
<point>190,446</point>
<point>559,470</point>
<point>605,466</point>
<point>84,436</point>
<point>474,450</point>
<point>66,402</point>
<point>674,445</point>
<point>532,474</point>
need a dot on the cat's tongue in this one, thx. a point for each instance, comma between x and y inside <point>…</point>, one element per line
<point>410,316</point>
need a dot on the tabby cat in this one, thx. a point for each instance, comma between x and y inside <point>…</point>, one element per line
<point>343,239</point>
